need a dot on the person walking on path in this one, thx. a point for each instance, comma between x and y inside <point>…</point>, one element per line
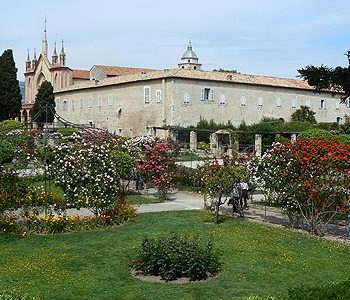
<point>244,187</point>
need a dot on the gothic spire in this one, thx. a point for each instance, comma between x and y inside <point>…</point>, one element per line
<point>62,56</point>
<point>54,56</point>
<point>44,41</point>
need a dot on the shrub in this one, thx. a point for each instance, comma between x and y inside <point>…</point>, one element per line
<point>7,152</point>
<point>344,138</point>
<point>175,256</point>
<point>67,131</point>
<point>317,133</point>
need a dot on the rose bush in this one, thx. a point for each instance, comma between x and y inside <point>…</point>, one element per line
<point>311,178</point>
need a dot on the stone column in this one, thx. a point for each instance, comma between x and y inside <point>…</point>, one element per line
<point>258,145</point>
<point>193,140</point>
<point>214,144</point>
<point>171,134</point>
<point>293,137</point>
<point>277,136</point>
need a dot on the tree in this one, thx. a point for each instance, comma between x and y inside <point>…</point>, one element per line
<point>44,106</point>
<point>10,95</point>
<point>304,114</point>
<point>218,182</point>
<point>310,177</point>
<point>324,78</point>
<point>159,167</point>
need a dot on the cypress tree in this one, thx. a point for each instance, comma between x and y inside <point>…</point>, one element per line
<point>10,95</point>
<point>44,106</point>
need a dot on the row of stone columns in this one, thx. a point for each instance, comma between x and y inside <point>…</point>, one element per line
<point>215,148</point>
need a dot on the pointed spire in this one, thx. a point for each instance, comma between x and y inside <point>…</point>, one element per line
<point>28,62</point>
<point>62,49</point>
<point>28,58</point>
<point>54,50</point>
<point>62,56</point>
<point>44,41</point>
<point>54,55</point>
<point>34,61</point>
<point>189,47</point>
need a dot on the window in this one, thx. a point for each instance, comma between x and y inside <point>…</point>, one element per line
<point>205,94</point>
<point>308,103</point>
<point>81,104</point>
<point>208,94</point>
<point>337,104</point>
<point>339,120</point>
<point>58,104</point>
<point>64,106</point>
<point>279,102</point>
<point>348,103</point>
<point>99,101</point>
<point>260,101</point>
<point>158,96</point>
<point>243,100</point>
<point>110,100</point>
<point>119,111</point>
<point>90,102</point>
<point>186,97</point>
<point>211,95</point>
<point>146,94</point>
<point>222,99</point>
<point>294,103</point>
<point>72,103</point>
<point>322,103</point>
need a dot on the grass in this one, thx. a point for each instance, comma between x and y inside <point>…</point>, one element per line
<point>256,259</point>
<point>138,199</point>
<point>189,156</point>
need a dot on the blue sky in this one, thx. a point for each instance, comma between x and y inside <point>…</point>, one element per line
<point>270,37</point>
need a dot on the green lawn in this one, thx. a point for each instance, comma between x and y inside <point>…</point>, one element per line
<point>256,259</point>
<point>137,199</point>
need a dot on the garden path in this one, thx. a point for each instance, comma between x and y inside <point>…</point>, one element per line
<point>192,201</point>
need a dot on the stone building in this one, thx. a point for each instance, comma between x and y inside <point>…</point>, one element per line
<point>131,101</point>
<point>132,104</point>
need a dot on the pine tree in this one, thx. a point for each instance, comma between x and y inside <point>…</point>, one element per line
<point>328,79</point>
<point>10,95</point>
<point>44,106</point>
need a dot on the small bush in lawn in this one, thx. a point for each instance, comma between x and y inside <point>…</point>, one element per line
<point>175,256</point>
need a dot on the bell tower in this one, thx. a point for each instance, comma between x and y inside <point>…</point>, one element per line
<point>189,59</point>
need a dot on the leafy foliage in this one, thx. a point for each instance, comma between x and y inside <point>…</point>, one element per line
<point>174,256</point>
<point>44,105</point>
<point>325,78</point>
<point>88,170</point>
<point>218,182</point>
<point>304,114</point>
<point>10,95</point>
<point>158,167</point>
<point>7,152</point>
<point>296,172</point>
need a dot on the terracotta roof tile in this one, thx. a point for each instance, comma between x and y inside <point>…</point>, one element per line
<point>119,71</point>
<point>81,74</point>
<point>198,75</point>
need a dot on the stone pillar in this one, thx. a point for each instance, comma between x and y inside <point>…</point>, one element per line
<point>171,135</point>
<point>258,145</point>
<point>293,137</point>
<point>277,136</point>
<point>214,144</point>
<point>193,140</point>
